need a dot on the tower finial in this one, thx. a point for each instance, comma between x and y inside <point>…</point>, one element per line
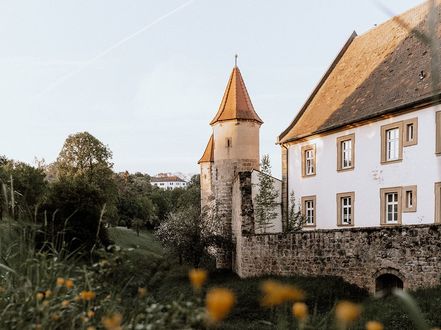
<point>235,60</point>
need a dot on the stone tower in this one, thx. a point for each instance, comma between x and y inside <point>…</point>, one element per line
<point>233,148</point>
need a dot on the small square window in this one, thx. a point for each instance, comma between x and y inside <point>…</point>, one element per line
<point>410,199</point>
<point>410,132</point>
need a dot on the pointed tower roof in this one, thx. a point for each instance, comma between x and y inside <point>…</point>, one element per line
<point>208,155</point>
<point>236,103</point>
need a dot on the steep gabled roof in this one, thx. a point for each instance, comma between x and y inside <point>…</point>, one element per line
<point>384,70</point>
<point>236,103</point>
<point>208,155</point>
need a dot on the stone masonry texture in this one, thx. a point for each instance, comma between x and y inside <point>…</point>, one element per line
<point>358,255</point>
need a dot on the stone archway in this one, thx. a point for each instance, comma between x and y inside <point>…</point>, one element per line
<point>388,279</point>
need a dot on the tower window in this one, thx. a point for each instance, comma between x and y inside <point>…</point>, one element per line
<point>228,142</point>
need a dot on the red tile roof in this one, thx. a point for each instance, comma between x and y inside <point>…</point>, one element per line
<point>236,103</point>
<point>172,178</point>
<point>208,155</point>
<point>374,74</point>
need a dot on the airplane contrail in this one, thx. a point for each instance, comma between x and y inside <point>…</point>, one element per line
<point>72,73</point>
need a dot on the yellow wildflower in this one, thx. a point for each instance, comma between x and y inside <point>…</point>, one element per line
<point>112,322</point>
<point>347,312</point>
<point>48,293</point>
<point>65,303</point>
<point>39,295</point>
<point>45,303</point>
<point>300,311</point>
<point>69,283</point>
<point>60,281</point>
<point>197,278</point>
<point>90,328</point>
<point>275,293</point>
<point>219,303</point>
<point>142,292</point>
<point>374,325</point>
<point>87,295</point>
<point>90,314</point>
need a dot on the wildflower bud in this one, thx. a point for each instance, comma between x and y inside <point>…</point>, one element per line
<point>347,312</point>
<point>65,303</point>
<point>112,322</point>
<point>197,278</point>
<point>69,284</point>
<point>374,325</point>
<point>87,295</point>
<point>39,295</point>
<point>300,311</point>
<point>219,303</point>
<point>90,314</point>
<point>48,293</point>
<point>142,292</point>
<point>60,281</point>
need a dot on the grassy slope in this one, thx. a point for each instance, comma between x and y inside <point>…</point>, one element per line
<point>167,281</point>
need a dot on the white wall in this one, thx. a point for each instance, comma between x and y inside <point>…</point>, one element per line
<point>276,225</point>
<point>420,166</point>
<point>170,184</point>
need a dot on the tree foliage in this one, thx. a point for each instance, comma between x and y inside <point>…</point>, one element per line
<point>23,188</point>
<point>266,199</point>
<point>83,154</point>
<point>296,219</point>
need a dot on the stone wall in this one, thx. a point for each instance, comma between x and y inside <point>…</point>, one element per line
<point>358,255</point>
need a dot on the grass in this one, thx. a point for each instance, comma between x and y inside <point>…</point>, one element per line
<point>170,303</point>
<point>169,281</point>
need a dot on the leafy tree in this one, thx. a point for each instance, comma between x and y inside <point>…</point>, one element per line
<point>134,202</point>
<point>296,219</point>
<point>188,234</point>
<point>83,154</point>
<point>23,187</point>
<point>266,199</point>
<point>73,215</point>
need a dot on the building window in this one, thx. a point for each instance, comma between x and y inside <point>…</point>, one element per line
<point>391,142</point>
<point>228,142</point>
<point>345,209</point>
<point>309,210</point>
<point>345,152</point>
<point>438,202</point>
<point>308,160</point>
<point>438,132</point>
<point>410,132</point>
<point>410,199</point>
<point>391,205</point>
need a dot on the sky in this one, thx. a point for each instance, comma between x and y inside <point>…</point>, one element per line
<point>146,76</point>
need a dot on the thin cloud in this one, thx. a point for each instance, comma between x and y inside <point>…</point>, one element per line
<point>118,44</point>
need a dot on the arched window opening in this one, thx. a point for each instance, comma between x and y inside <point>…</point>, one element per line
<point>387,282</point>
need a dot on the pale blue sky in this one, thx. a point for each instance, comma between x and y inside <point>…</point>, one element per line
<point>151,98</point>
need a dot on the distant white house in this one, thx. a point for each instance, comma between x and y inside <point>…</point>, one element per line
<point>168,182</point>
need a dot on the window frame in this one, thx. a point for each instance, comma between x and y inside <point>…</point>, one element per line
<point>406,141</point>
<point>339,198</point>
<point>383,193</point>
<point>340,155</point>
<point>438,133</point>
<point>384,129</point>
<point>304,149</point>
<point>413,190</point>
<point>305,199</point>
<point>437,202</point>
